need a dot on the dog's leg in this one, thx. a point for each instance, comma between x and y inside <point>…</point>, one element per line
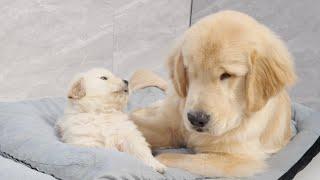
<point>213,164</point>
<point>145,78</point>
<point>159,126</point>
<point>137,146</point>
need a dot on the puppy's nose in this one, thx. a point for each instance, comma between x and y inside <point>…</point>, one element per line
<point>198,118</point>
<point>126,82</point>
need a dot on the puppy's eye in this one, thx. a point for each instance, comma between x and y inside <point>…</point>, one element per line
<point>103,78</point>
<point>225,76</point>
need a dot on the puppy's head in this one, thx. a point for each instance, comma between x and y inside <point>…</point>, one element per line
<point>227,66</point>
<point>101,86</point>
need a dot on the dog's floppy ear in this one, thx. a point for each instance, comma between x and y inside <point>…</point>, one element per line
<point>178,72</point>
<point>271,70</point>
<point>77,90</point>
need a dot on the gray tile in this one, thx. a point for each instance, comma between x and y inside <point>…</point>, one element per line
<point>144,32</point>
<point>297,22</point>
<point>44,43</point>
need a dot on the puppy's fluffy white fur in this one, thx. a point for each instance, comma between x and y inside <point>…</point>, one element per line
<point>94,117</point>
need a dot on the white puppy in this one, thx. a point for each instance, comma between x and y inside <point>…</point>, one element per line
<point>94,117</point>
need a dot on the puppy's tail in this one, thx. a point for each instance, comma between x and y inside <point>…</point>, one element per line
<point>144,78</point>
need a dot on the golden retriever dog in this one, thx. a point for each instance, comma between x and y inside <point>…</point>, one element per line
<point>94,117</point>
<point>228,100</point>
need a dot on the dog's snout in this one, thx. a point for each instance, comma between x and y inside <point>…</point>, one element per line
<point>198,118</point>
<point>125,81</point>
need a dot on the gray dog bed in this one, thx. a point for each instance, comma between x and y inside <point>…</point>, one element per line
<point>31,149</point>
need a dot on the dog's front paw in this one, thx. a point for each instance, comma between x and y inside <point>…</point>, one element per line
<point>165,158</point>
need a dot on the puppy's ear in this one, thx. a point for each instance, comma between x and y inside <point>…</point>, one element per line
<point>271,70</point>
<point>178,72</point>
<point>77,90</point>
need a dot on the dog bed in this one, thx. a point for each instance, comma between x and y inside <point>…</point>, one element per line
<point>27,137</point>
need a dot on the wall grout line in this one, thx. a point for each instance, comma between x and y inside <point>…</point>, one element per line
<point>190,15</point>
<point>113,39</point>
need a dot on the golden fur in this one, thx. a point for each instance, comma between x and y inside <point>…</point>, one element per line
<point>94,117</point>
<point>144,78</point>
<point>236,70</point>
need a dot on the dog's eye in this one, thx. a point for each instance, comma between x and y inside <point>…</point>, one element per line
<point>103,78</point>
<point>225,76</point>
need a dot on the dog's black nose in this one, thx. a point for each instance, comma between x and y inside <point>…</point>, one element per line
<point>198,118</point>
<point>126,82</point>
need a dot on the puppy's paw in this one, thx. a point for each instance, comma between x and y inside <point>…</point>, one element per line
<point>156,165</point>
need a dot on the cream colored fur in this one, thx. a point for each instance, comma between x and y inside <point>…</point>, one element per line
<point>236,70</point>
<point>144,78</point>
<point>94,117</point>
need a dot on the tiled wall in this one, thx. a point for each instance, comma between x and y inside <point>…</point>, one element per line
<point>297,22</point>
<point>44,43</point>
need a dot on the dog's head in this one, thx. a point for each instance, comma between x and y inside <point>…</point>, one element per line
<point>227,66</point>
<point>101,86</point>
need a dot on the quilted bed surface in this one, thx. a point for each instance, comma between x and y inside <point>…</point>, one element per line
<point>27,136</point>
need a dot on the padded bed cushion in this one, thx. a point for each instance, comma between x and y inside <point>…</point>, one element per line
<point>28,137</point>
